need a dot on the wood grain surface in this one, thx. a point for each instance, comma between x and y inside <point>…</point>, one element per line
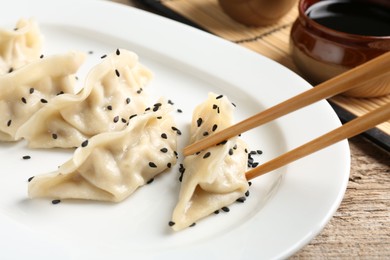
<point>360,229</point>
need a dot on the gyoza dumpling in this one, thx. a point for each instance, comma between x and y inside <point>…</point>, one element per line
<point>112,165</point>
<point>215,177</point>
<point>31,87</point>
<point>19,46</point>
<point>113,91</point>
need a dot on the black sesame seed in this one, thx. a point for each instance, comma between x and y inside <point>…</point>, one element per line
<point>181,168</point>
<point>164,150</point>
<point>60,93</point>
<point>9,122</point>
<point>220,96</point>
<point>55,202</point>
<point>169,165</point>
<point>253,152</point>
<point>246,150</point>
<point>218,110</point>
<point>77,78</point>
<point>26,157</point>
<point>139,91</point>
<point>117,73</point>
<point>216,212</point>
<point>230,151</point>
<point>150,181</point>
<point>109,107</point>
<point>249,183</point>
<point>147,109</point>
<point>24,100</point>
<point>30,179</point>
<point>130,117</point>
<point>193,224</point>
<point>250,160</point>
<point>179,111</point>
<point>10,70</point>
<point>152,164</point>
<point>84,144</point>
<point>159,117</point>
<point>90,52</point>
<point>128,100</point>
<point>205,133</point>
<point>116,119</point>
<point>43,100</point>
<point>164,135</point>
<point>157,105</point>
<point>235,147</point>
<point>177,130</point>
<point>104,56</point>
<point>255,164</point>
<point>206,155</point>
<point>41,56</point>
<point>223,142</point>
<point>247,193</point>
<point>32,90</point>
<point>54,136</point>
<point>259,152</point>
<point>215,106</point>
<point>171,223</point>
<point>214,127</point>
<point>123,120</point>
<point>241,199</point>
<point>170,102</point>
<point>199,121</point>
<point>118,52</point>
<point>225,209</point>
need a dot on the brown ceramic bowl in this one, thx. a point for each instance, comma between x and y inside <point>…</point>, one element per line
<point>321,53</point>
<point>256,12</point>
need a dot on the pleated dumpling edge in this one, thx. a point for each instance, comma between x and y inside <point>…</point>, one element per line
<point>112,165</point>
<point>213,178</point>
<point>113,90</point>
<point>32,87</point>
<point>20,46</point>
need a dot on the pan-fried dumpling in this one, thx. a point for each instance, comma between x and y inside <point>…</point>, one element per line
<point>31,87</point>
<point>112,165</point>
<point>113,91</point>
<point>215,177</point>
<point>19,46</point>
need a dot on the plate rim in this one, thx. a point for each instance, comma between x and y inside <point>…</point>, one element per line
<point>238,50</point>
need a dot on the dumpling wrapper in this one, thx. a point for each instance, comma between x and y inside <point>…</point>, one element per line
<point>113,91</point>
<point>215,177</point>
<point>114,164</point>
<point>25,91</point>
<point>19,46</point>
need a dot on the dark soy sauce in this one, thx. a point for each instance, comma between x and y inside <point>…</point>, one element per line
<point>352,16</point>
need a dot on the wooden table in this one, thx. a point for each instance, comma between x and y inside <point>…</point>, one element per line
<point>361,226</point>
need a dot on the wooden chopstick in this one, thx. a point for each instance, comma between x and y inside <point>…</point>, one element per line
<point>341,83</point>
<point>352,128</point>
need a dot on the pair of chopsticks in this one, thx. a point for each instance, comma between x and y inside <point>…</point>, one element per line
<point>341,83</point>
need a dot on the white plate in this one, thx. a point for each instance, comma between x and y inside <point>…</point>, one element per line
<point>284,211</point>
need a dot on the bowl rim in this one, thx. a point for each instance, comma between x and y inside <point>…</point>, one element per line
<point>303,5</point>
